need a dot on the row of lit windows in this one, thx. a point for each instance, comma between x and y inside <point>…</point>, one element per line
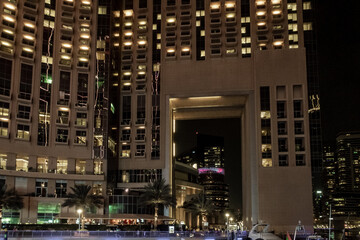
<point>42,166</point>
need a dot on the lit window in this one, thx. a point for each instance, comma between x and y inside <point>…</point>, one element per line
<point>154,26</point>
<point>102,10</point>
<point>80,137</point>
<point>125,151</point>
<point>267,162</point>
<point>202,33</point>
<point>292,6</point>
<point>80,166</point>
<point>3,160</point>
<point>23,132</point>
<point>4,109</point>
<point>22,163</point>
<point>307,6</point>
<point>42,165</point>
<point>308,26</point>
<point>4,125</point>
<point>61,166</point>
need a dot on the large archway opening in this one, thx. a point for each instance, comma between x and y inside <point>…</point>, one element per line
<point>201,127</point>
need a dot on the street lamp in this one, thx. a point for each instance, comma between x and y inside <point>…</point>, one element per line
<point>227,225</point>
<point>79,211</point>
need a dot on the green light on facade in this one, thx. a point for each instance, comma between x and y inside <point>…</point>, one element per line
<point>112,108</point>
<point>47,212</point>
<point>47,80</point>
<point>116,208</point>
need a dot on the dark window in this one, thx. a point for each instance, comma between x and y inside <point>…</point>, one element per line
<point>62,135</point>
<point>298,109</point>
<point>82,95</point>
<point>128,4</point>
<point>283,160</point>
<point>26,81</point>
<point>281,109</point>
<point>282,129</point>
<point>64,89</point>
<point>283,146</point>
<point>61,188</point>
<point>264,99</point>
<point>24,112</point>
<point>126,110</point>
<point>5,76</point>
<point>300,160</point>
<point>299,144</point>
<point>142,3</point>
<point>299,127</point>
<point>141,109</point>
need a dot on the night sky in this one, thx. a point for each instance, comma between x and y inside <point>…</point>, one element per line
<point>185,139</point>
<point>339,66</point>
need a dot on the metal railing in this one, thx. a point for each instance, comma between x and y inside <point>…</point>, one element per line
<point>116,234</point>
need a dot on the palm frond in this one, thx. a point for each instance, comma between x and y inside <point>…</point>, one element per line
<point>81,197</point>
<point>158,193</point>
<point>10,199</point>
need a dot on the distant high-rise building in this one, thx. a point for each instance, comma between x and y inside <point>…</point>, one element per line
<point>345,200</point>
<point>342,179</point>
<point>208,157</point>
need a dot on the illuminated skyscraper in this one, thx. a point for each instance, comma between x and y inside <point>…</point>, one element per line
<point>91,84</point>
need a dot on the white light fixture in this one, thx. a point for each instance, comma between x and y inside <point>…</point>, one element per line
<point>230,15</point>
<point>10,6</point>
<point>128,13</point>
<point>215,6</point>
<point>276,12</point>
<point>65,109</point>
<point>28,50</point>
<point>85,36</point>
<point>171,20</point>
<point>10,19</point>
<point>66,57</point>
<point>66,45</point>
<point>230,4</point>
<point>29,25</point>
<point>5,43</point>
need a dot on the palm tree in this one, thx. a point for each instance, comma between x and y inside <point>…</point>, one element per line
<point>157,194</point>
<point>82,198</point>
<point>200,206</point>
<point>9,199</point>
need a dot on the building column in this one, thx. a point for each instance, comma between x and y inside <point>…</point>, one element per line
<point>11,161</point>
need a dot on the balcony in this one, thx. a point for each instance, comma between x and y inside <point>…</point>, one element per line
<point>30,7</point>
<point>67,17</point>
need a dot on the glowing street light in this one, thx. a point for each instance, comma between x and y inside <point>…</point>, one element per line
<point>227,215</point>
<point>79,211</point>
